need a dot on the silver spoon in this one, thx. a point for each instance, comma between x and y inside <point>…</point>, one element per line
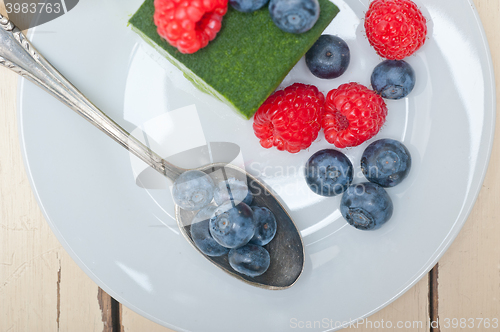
<point>286,249</point>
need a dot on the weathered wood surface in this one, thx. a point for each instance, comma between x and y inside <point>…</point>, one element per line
<point>469,272</point>
<point>42,289</point>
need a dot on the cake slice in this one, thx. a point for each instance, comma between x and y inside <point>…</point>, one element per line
<point>247,60</point>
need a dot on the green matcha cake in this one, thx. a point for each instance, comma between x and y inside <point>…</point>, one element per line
<point>247,60</point>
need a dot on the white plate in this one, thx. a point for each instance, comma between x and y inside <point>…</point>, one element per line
<point>123,237</point>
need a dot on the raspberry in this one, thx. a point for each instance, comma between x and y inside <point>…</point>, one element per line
<point>352,115</point>
<point>290,119</point>
<point>395,28</point>
<point>189,25</point>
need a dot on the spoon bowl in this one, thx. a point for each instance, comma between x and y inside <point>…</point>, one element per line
<point>286,249</point>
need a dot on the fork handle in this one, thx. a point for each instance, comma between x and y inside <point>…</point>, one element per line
<point>17,54</point>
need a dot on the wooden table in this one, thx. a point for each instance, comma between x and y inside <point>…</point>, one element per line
<point>42,289</point>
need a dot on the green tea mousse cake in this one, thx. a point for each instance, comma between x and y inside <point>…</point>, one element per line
<point>247,60</point>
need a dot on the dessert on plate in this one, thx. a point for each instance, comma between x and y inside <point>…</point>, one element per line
<point>246,61</point>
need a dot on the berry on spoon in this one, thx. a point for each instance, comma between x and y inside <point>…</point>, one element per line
<point>251,260</point>
<point>232,226</point>
<point>193,190</point>
<point>201,234</point>
<point>232,189</point>
<point>265,226</point>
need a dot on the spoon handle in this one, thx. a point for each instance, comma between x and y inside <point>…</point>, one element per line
<point>17,54</point>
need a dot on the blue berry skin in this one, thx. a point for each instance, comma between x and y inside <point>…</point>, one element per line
<point>201,234</point>
<point>294,16</point>
<point>265,226</point>
<point>366,206</point>
<point>329,172</point>
<point>393,79</point>
<point>329,57</point>
<point>193,190</point>
<point>239,192</point>
<point>386,162</point>
<point>232,226</point>
<point>250,260</point>
<point>247,6</point>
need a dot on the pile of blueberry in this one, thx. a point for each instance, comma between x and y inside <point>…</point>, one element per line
<point>367,206</point>
<point>385,163</point>
<point>226,223</point>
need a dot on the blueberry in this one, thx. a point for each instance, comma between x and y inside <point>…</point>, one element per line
<point>201,234</point>
<point>393,79</point>
<point>329,172</point>
<point>250,260</point>
<point>294,16</point>
<point>232,226</point>
<point>386,162</point>
<point>329,57</point>
<point>366,206</point>
<point>247,6</point>
<point>265,226</point>
<point>239,192</point>
<point>193,190</point>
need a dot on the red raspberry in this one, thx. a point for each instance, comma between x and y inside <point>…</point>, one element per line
<point>290,119</point>
<point>189,24</point>
<point>353,114</point>
<point>395,28</point>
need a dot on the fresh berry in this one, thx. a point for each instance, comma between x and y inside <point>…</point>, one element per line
<point>329,172</point>
<point>366,206</point>
<point>329,57</point>
<point>189,25</point>
<point>294,16</point>
<point>193,190</point>
<point>395,28</point>
<point>250,260</point>
<point>265,225</point>
<point>232,189</point>
<point>201,234</point>
<point>290,119</point>
<point>232,226</point>
<point>352,115</point>
<point>393,79</point>
<point>247,6</point>
<point>386,162</point>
